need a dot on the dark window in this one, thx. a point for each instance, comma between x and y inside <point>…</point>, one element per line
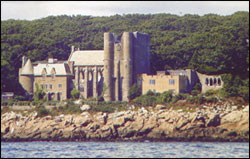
<point>207,82</point>
<point>171,82</point>
<point>152,82</point>
<point>50,86</point>
<point>211,81</point>
<point>60,85</point>
<point>219,81</point>
<point>43,76</point>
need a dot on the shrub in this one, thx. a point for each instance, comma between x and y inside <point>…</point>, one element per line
<point>20,98</point>
<point>75,94</point>
<point>211,99</point>
<point>197,87</point>
<point>196,99</point>
<point>195,92</point>
<point>166,97</point>
<point>134,91</point>
<point>10,103</point>
<point>146,100</point>
<point>179,96</point>
<point>150,93</point>
<point>108,108</point>
<point>42,111</point>
<point>38,94</point>
<point>210,92</point>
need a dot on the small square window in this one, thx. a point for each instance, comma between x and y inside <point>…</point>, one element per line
<point>60,85</point>
<point>171,82</point>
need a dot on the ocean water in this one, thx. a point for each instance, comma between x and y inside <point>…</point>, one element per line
<point>124,149</point>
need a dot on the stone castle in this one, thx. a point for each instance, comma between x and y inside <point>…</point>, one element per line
<point>110,72</point>
<point>114,69</point>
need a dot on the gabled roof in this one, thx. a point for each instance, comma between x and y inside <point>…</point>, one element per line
<point>60,69</point>
<point>87,57</point>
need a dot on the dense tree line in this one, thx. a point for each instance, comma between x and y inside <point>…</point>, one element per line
<point>210,44</point>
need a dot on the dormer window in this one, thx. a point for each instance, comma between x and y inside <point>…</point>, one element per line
<point>44,72</point>
<point>53,72</point>
<point>53,76</point>
<point>43,76</point>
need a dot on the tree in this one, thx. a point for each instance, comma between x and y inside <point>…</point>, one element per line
<point>75,94</point>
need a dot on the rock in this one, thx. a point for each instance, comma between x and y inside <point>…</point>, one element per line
<point>179,110</point>
<point>57,119</point>
<point>85,107</point>
<point>160,106</point>
<point>81,121</point>
<point>234,108</point>
<point>214,120</point>
<point>48,117</point>
<point>232,117</point>
<point>61,116</point>
<point>246,109</point>
<point>77,102</point>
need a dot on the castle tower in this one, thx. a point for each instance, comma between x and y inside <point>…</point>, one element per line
<point>108,65</point>
<point>127,43</point>
<point>26,75</point>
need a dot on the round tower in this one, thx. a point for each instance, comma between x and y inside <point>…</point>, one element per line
<point>127,64</point>
<point>108,65</point>
<point>26,76</point>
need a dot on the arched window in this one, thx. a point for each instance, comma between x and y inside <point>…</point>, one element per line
<point>215,81</point>
<point>211,81</point>
<point>219,81</point>
<point>207,82</point>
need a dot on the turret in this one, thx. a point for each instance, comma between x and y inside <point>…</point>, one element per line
<point>127,63</point>
<point>26,76</point>
<point>108,65</point>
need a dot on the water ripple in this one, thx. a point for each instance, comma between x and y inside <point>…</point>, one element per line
<point>124,149</point>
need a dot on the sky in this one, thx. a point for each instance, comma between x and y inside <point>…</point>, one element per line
<point>30,10</point>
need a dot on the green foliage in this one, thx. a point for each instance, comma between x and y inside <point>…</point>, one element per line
<point>70,108</point>
<point>211,92</point>
<point>39,94</point>
<point>234,86</point>
<point>20,98</point>
<point>166,97</point>
<point>197,86</point>
<point>42,111</point>
<point>179,96</point>
<point>135,91</point>
<point>210,44</point>
<point>211,99</point>
<point>195,92</point>
<point>146,100</point>
<point>75,94</point>
<point>150,93</point>
<point>196,99</point>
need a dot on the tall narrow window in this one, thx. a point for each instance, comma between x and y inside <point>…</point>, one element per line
<point>50,86</point>
<point>60,85</point>
<point>43,76</point>
<point>219,81</point>
<point>53,76</point>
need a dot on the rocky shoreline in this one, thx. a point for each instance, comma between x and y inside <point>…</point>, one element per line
<point>208,123</point>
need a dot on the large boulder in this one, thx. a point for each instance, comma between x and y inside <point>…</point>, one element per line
<point>232,117</point>
<point>85,107</point>
<point>214,119</point>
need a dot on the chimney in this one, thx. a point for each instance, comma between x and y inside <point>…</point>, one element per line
<point>72,48</point>
<point>71,65</point>
<point>50,59</point>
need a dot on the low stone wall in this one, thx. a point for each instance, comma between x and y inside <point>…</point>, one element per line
<point>21,107</point>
